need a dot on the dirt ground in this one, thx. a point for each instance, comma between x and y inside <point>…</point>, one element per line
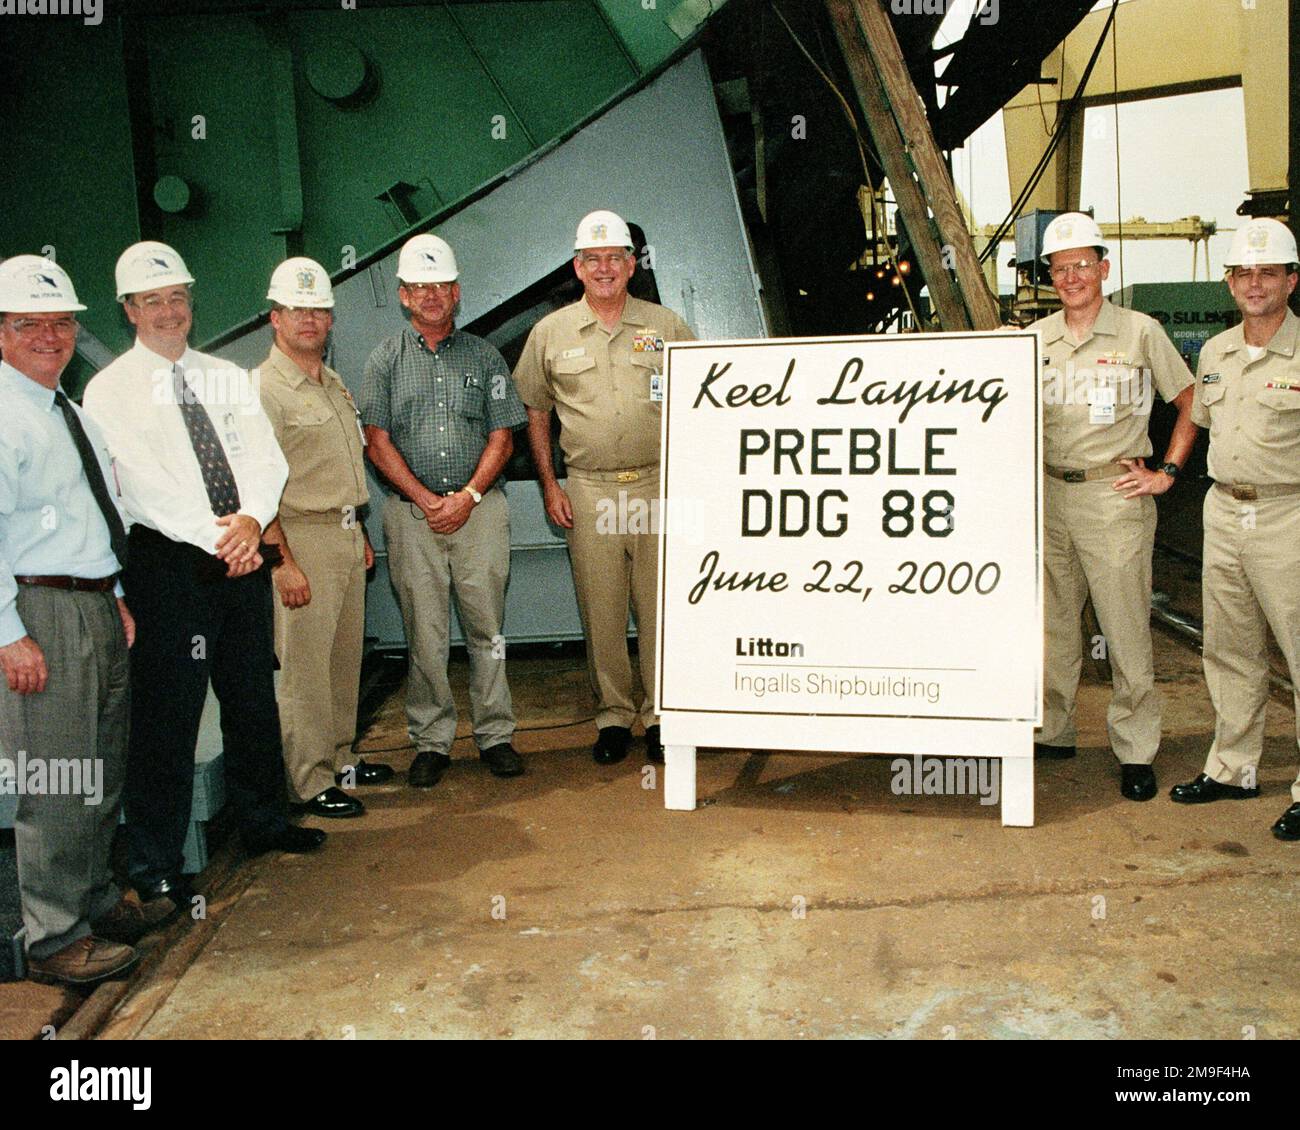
<point>802,899</point>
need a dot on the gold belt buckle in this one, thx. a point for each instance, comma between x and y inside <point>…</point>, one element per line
<point>628,476</point>
<point>1245,494</point>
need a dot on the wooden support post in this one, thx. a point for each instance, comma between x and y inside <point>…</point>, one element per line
<point>917,174</point>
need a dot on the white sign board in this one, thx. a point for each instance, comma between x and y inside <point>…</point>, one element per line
<point>850,546</point>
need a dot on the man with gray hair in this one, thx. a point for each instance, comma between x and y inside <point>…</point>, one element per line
<point>64,634</point>
<point>439,410</point>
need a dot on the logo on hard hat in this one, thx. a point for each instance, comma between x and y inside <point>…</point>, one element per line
<point>306,279</point>
<point>599,231</point>
<point>1257,237</point>
<point>44,280</point>
<point>429,257</point>
<point>161,264</point>
<point>1066,229</point>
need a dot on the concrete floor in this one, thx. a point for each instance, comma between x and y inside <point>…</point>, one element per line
<point>569,903</point>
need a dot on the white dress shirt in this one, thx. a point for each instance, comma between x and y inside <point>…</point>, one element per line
<point>156,472</point>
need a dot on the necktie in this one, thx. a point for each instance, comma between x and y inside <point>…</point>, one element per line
<point>218,479</point>
<point>95,477</point>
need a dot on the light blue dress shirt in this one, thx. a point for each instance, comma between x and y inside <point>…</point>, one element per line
<point>50,522</point>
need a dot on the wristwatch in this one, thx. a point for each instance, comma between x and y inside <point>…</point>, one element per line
<point>469,490</point>
<point>1170,469</point>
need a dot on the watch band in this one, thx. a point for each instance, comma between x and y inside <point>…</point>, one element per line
<point>1170,469</point>
<point>469,490</point>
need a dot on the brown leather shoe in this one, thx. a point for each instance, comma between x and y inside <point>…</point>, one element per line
<point>85,961</point>
<point>129,921</point>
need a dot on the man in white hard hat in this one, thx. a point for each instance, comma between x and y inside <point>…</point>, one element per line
<point>320,583</point>
<point>1102,366</point>
<point>1248,381</point>
<point>439,411</point>
<point>599,363</point>
<point>64,634</point>
<point>200,475</point>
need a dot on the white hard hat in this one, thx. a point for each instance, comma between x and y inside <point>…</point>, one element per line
<point>149,266</point>
<point>425,259</point>
<point>32,285</point>
<point>602,229</point>
<point>1262,242</point>
<point>1070,230</point>
<point>301,282</point>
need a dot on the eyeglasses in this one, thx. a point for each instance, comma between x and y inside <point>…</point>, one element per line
<point>429,288</point>
<point>32,327</point>
<point>593,261</point>
<point>156,302</point>
<point>1083,268</point>
<point>301,313</point>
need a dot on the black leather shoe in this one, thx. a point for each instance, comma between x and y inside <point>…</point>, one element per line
<point>1137,782</point>
<point>654,748</point>
<point>363,773</point>
<point>1053,752</point>
<point>427,769</point>
<point>163,900</point>
<point>1288,824</point>
<point>502,760</point>
<point>130,921</point>
<point>289,838</point>
<point>334,803</point>
<point>611,744</point>
<point>1205,789</point>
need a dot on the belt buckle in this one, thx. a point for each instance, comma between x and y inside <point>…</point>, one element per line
<point>628,476</point>
<point>1074,476</point>
<point>1245,494</point>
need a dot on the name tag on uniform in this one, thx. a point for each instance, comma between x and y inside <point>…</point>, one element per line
<point>230,434</point>
<point>647,343</point>
<point>580,351</point>
<point>656,388</point>
<point>1210,379</point>
<point>1101,406</point>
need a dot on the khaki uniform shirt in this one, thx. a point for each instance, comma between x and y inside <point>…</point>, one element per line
<point>600,383</point>
<point>1252,408</point>
<point>1098,393</point>
<point>318,430</point>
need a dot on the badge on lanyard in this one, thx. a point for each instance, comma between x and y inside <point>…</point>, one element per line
<point>230,434</point>
<point>1101,405</point>
<point>656,388</point>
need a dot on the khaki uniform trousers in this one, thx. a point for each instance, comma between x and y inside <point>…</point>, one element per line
<point>1250,575</point>
<point>610,564</point>
<point>63,843</point>
<point>1098,542</point>
<point>426,567</point>
<point>319,649</point>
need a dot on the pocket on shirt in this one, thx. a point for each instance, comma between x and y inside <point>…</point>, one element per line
<point>309,418</point>
<point>574,379</point>
<point>647,365</point>
<point>1211,394</point>
<point>1282,418</point>
<point>467,400</point>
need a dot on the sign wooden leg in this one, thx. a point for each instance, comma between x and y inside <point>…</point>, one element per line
<point>1018,792</point>
<point>679,777</point>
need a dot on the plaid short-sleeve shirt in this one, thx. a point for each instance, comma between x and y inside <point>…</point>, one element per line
<point>438,405</point>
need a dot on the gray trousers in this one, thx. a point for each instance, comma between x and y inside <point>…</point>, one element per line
<point>69,743</point>
<point>426,568</point>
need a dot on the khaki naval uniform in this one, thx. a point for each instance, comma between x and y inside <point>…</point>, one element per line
<point>319,645</point>
<point>1097,397</point>
<point>1251,568</point>
<point>606,389</point>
